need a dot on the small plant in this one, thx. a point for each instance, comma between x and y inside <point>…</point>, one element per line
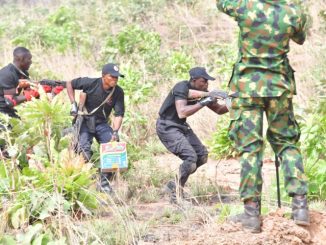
<point>224,212</point>
<point>172,216</point>
<point>221,147</point>
<point>44,193</point>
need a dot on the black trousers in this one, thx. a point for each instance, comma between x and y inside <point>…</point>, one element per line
<point>184,143</point>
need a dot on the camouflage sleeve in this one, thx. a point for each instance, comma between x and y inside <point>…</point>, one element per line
<point>229,7</point>
<point>300,33</point>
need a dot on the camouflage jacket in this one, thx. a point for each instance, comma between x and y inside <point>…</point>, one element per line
<point>266,27</point>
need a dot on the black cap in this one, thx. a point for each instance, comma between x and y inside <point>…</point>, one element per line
<point>111,69</point>
<point>198,72</point>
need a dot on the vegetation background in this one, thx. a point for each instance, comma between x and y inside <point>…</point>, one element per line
<point>51,197</point>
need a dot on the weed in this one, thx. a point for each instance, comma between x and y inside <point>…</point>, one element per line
<point>172,216</point>
<point>220,145</point>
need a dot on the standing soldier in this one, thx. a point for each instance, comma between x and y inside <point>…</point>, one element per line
<point>173,130</point>
<point>263,81</point>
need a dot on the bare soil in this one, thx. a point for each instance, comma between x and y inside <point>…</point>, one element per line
<point>276,229</point>
<point>277,226</point>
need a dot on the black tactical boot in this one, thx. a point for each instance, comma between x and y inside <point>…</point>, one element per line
<point>104,183</point>
<point>250,218</point>
<point>300,212</point>
<point>171,190</point>
<point>176,197</point>
<point>185,170</point>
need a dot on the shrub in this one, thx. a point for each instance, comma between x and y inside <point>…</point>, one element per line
<point>43,194</point>
<point>221,147</point>
<point>60,31</point>
<point>135,43</point>
<point>178,63</point>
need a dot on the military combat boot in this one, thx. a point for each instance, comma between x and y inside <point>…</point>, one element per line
<point>300,212</point>
<point>250,218</point>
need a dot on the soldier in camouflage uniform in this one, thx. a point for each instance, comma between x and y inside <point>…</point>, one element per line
<point>263,81</point>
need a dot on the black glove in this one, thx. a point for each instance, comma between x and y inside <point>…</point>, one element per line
<point>207,101</point>
<point>115,136</point>
<point>218,94</point>
<point>74,109</point>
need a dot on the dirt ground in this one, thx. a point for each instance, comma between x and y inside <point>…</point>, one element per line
<point>277,227</point>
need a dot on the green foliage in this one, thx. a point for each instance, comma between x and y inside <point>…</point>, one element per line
<point>134,42</point>
<point>178,64</point>
<point>314,138</point>
<point>136,89</point>
<point>225,211</point>
<point>60,31</point>
<point>54,182</point>
<point>40,118</point>
<point>221,147</point>
<point>223,56</point>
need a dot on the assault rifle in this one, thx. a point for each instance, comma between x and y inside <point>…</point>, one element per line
<point>196,94</point>
<point>52,83</point>
<point>25,83</point>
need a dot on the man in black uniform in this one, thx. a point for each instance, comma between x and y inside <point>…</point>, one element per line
<point>11,76</point>
<point>96,125</point>
<point>176,134</point>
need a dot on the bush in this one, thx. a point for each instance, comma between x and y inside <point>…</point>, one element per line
<point>178,64</point>
<point>133,43</point>
<point>52,185</point>
<point>60,31</point>
<point>314,136</point>
<point>313,146</point>
<point>221,147</point>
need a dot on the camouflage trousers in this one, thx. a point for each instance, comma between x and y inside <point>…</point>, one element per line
<point>283,133</point>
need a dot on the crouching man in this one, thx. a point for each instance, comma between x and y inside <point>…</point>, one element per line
<point>173,130</point>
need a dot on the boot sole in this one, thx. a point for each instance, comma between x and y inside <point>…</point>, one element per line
<point>251,229</point>
<point>302,223</point>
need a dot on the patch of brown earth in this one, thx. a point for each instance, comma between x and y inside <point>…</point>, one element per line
<point>276,229</point>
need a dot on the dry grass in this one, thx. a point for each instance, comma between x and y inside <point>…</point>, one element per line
<point>178,26</point>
